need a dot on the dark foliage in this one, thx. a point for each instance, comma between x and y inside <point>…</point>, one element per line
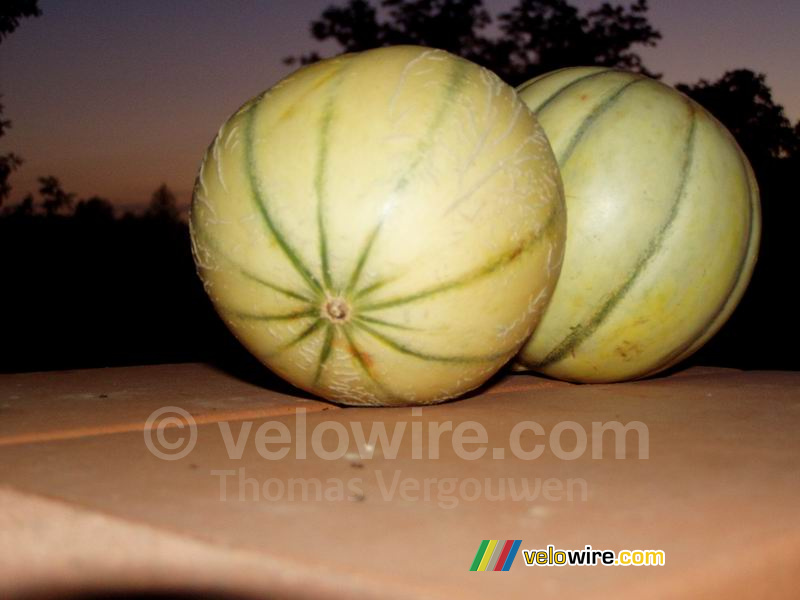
<point>163,205</point>
<point>90,290</point>
<point>10,15</point>
<point>54,199</point>
<point>8,164</point>
<point>536,36</point>
<point>13,11</point>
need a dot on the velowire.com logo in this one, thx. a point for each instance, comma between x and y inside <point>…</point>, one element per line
<point>495,555</point>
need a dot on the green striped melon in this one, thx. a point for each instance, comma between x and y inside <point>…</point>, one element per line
<point>381,228</point>
<point>663,225</point>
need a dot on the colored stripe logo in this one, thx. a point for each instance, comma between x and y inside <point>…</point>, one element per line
<point>495,555</point>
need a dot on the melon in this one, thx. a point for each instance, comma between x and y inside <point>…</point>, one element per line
<point>663,225</point>
<point>381,228</point>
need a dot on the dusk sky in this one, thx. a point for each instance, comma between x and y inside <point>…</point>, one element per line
<point>116,97</point>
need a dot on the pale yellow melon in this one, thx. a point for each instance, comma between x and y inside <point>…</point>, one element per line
<point>381,228</point>
<point>663,225</point>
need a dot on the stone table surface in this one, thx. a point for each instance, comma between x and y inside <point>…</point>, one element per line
<point>245,488</point>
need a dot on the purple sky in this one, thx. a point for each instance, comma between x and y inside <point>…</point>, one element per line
<point>116,97</point>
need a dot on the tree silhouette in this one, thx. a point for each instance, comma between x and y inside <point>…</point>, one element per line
<point>537,35</point>
<point>54,199</point>
<point>94,209</point>
<point>544,35</point>
<point>8,162</point>
<point>13,11</point>
<point>743,102</point>
<point>25,208</point>
<point>452,25</point>
<point>163,205</point>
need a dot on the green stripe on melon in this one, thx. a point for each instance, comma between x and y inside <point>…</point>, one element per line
<point>381,228</point>
<point>663,225</point>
